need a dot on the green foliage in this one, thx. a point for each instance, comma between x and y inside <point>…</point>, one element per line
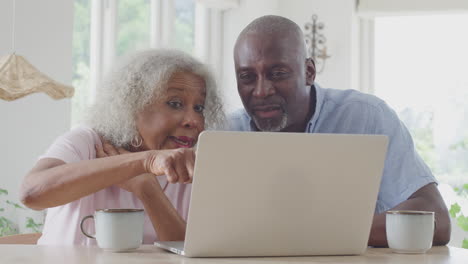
<point>133,25</point>
<point>424,141</point>
<point>15,205</point>
<point>462,145</point>
<point>465,243</point>
<point>462,222</point>
<point>462,191</point>
<point>447,164</point>
<point>7,227</point>
<point>31,224</point>
<point>454,210</point>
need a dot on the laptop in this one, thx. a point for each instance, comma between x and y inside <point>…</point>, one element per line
<point>282,194</point>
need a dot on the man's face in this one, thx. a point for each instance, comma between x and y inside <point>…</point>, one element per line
<point>272,80</point>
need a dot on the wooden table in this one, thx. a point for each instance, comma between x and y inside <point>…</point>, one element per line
<point>15,254</point>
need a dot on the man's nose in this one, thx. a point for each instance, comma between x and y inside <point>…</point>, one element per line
<point>263,88</point>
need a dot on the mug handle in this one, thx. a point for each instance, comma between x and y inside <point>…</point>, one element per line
<point>81,226</point>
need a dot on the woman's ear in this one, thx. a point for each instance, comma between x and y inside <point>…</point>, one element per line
<point>310,71</point>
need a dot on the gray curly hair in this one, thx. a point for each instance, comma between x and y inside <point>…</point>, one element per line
<point>138,81</point>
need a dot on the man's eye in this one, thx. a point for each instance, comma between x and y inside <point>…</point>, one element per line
<point>246,76</point>
<point>278,74</point>
<point>175,104</point>
<point>199,108</point>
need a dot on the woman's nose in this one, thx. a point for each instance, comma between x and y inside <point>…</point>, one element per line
<point>193,120</point>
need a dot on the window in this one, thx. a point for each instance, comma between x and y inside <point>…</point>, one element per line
<point>184,25</point>
<point>420,70</point>
<point>121,27</point>
<point>133,26</point>
<point>80,55</point>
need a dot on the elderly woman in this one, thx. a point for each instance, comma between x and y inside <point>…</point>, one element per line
<point>152,110</point>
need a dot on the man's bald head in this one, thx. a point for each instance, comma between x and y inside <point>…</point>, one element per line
<point>272,27</point>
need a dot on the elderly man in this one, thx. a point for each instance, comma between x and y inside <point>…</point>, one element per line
<point>275,81</point>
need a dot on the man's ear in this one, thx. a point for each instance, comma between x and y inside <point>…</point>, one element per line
<point>310,71</point>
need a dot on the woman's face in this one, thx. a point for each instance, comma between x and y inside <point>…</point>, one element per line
<point>175,119</point>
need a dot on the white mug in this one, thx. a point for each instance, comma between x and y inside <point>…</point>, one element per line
<point>117,229</point>
<point>410,231</point>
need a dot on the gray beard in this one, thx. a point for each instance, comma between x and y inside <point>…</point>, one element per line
<point>269,125</point>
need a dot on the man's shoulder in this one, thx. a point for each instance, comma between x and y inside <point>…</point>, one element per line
<point>350,97</point>
<point>351,111</point>
<point>238,120</point>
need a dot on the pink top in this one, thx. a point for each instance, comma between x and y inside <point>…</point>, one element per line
<point>62,224</point>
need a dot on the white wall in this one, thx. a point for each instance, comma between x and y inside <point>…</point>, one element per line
<point>340,30</point>
<point>43,35</point>
<point>338,17</point>
<point>234,21</point>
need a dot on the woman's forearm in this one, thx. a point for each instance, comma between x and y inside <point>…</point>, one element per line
<point>53,183</point>
<point>166,221</point>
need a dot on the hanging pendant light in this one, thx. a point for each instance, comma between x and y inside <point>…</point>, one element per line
<point>19,78</point>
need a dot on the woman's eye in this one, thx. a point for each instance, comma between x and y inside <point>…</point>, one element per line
<point>199,108</point>
<point>175,104</point>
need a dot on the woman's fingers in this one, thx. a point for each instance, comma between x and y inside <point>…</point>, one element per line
<point>182,172</point>
<point>185,165</point>
<point>99,151</point>
<point>171,172</point>
<point>109,149</point>
<point>122,151</point>
<point>176,164</point>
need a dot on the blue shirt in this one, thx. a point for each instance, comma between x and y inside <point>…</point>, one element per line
<point>353,112</point>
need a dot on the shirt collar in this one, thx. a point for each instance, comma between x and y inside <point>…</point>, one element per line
<point>319,95</point>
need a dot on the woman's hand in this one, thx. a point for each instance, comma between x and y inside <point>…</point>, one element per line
<point>176,164</point>
<point>108,150</point>
<point>133,185</point>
